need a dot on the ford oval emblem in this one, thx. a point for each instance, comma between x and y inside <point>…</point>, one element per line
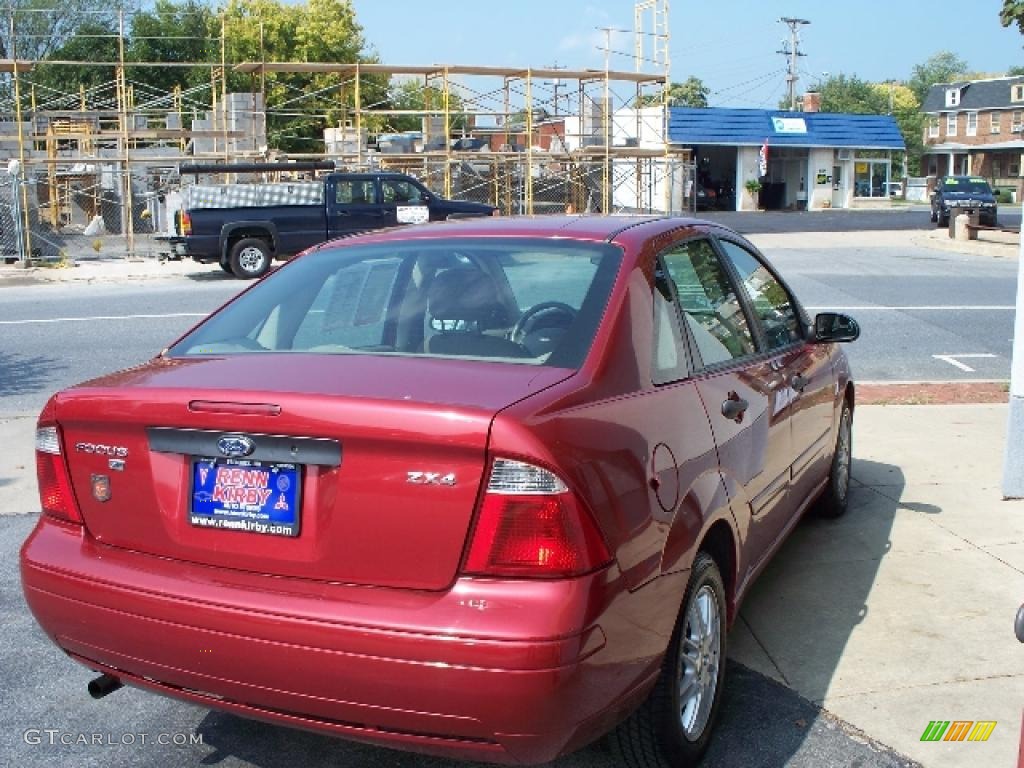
<point>235,446</point>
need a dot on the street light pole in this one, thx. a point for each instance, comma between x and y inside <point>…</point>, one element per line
<point>1013,467</point>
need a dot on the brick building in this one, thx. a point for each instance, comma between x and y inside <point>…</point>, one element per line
<point>976,127</point>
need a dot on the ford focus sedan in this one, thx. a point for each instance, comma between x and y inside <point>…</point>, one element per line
<point>487,490</point>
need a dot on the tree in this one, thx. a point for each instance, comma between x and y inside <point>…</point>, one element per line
<point>1013,13</point>
<point>850,94</point>
<point>57,86</point>
<point>1015,71</point>
<point>690,93</point>
<point>43,26</point>
<point>413,95</point>
<point>170,32</point>
<point>299,105</point>
<point>942,67</point>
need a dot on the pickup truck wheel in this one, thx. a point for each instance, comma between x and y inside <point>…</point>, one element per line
<point>226,266</point>
<point>673,727</point>
<point>250,258</point>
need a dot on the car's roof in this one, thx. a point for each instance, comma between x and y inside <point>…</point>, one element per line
<point>587,228</point>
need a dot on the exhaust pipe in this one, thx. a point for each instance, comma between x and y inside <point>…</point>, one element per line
<point>103,686</point>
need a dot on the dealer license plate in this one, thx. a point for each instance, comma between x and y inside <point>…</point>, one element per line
<point>244,495</point>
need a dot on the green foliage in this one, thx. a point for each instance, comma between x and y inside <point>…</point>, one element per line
<point>299,106</point>
<point>44,26</point>
<point>850,94</point>
<point>690,93</point>
<point>1015,71</point>
<point>414,95</point>
<point>942,67</point>
<point>170,32</point>
<point>1012,13</point>
<point>93,41</point>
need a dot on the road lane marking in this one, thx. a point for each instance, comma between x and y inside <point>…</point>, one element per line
<point>924,308</point>
<point>46,320</point>
<point>952,360</point>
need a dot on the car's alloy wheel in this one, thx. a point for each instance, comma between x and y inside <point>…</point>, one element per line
<point>673,727</point>
<point>250,258</point>
<point>699,659</point>
<point>834,500</point>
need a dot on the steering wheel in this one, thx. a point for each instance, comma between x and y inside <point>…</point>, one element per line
<point>529,318</point>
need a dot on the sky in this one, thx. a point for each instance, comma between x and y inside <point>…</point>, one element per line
<point>730,44</point>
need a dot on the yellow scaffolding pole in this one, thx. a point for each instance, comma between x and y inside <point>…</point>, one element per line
<point>528,180</point>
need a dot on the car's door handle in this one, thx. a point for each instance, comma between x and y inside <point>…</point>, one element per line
<point>799,383</point>
<point>734,407</point>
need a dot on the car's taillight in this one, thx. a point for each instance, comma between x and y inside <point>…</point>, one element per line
<point>531,525</point>
<point>55,494</point>
<point>186,223</point>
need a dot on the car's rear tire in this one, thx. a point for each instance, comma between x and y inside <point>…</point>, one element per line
<point>226,266</point>
<point>673,727</point>
<point>834,499</point>
<point>935,216</point>
<point>250,258</point>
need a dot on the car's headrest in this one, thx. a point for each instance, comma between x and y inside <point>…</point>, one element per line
<point>466,294</point>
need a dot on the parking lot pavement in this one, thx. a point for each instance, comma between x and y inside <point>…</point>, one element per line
<point>901,612</point>
<point>896,615</point>
<point>49,718</point>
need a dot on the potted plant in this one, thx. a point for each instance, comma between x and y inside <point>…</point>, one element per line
<point>753,187</point>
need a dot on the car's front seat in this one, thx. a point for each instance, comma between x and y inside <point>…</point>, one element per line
<point>470,296</point>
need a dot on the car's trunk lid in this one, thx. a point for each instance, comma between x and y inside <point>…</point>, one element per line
<point>355,427</point>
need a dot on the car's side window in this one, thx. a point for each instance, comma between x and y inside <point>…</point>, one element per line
<point>771,303</point>
<point>668,360</point>
<point>400,192</point>
<point>711,310</point>
<point>355,192</point>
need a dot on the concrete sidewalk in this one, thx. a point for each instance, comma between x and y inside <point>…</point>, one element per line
<point>898,614</point>
<point>902,611</point>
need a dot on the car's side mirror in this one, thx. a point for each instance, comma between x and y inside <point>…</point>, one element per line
<point>833,327</point>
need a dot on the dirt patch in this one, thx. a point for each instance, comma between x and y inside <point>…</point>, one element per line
<point>933,393</point>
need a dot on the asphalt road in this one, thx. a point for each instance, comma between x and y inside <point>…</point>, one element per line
<point>925,314</point>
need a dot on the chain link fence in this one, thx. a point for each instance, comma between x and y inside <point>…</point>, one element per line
<point>540,185</point>
<point>82,214</point>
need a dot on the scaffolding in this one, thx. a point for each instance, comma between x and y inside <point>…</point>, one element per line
<point>595,142</point>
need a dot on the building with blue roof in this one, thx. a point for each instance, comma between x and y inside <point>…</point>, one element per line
<point>804,159</point>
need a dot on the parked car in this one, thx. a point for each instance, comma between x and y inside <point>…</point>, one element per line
<point>486,490</point>
<point>963,194</point>
<point>244,227</point>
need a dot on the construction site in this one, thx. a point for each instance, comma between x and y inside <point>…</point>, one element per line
<point>96,170</point>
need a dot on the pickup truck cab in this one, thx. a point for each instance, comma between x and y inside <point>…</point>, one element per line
<point>244,227</point>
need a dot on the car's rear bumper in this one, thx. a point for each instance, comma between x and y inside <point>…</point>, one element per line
<point>444,673</point>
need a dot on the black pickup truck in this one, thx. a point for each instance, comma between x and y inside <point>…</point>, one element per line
<point>244,227</point>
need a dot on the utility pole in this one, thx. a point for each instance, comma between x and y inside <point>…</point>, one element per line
<point>792,52</point>
<point>556,86</point>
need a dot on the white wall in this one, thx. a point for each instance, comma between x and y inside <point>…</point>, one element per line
<point>746,169</point>
<point>820,161</point>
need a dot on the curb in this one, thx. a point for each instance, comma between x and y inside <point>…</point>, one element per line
<point>933,393</point>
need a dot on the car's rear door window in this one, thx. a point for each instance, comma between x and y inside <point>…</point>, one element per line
<point>711,309</point>
<point>769,299</point>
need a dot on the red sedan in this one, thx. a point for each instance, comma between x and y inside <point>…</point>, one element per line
<point>488,489</point>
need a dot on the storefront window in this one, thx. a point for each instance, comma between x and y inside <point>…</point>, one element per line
<point>871,177</point>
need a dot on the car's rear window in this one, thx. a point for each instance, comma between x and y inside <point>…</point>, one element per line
<point>514,300</point>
